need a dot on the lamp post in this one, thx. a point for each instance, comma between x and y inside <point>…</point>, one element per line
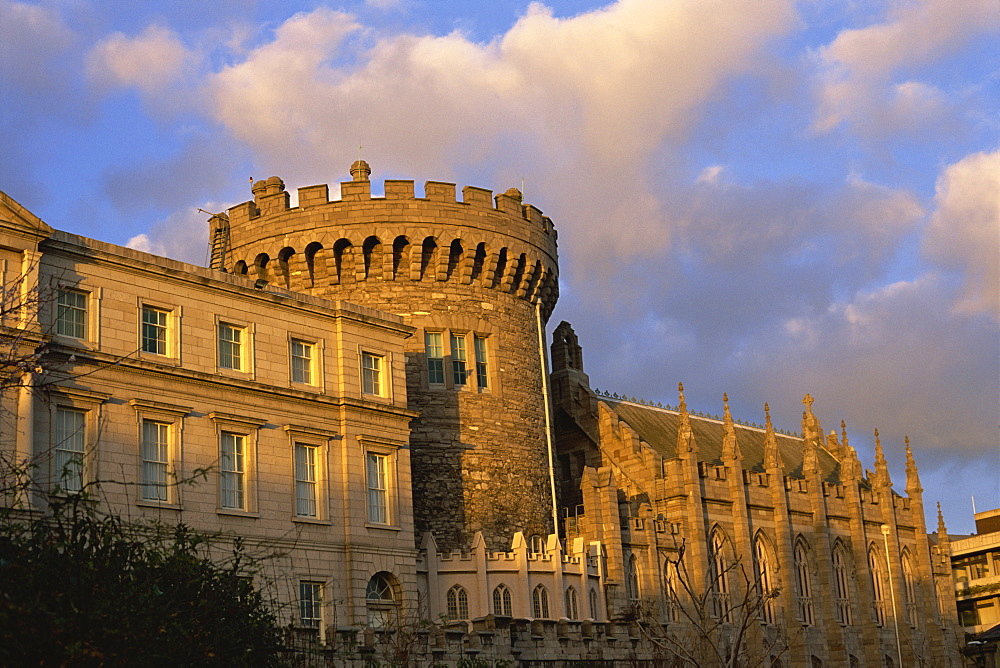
<point>892,594</point>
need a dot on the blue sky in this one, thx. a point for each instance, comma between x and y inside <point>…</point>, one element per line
<point>759,197</point>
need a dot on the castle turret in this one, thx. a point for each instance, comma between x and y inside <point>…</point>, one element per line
<point>474,276</point>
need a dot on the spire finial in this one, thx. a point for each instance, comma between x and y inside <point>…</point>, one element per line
<point>912,473</point>
<point>944,541</point>
<point>810,424</point>
<point>730,448</point>
<point>771,457</point>
<point>881,467</point>
<point>685,434</point>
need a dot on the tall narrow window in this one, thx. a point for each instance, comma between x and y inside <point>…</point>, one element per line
<point>572,604</point>
<point>380,597</point>
<point>154,330</point>
<point>232,470</point>
<point>378,488</point>
<point>632,580</point>
<point>459,359</point>
<point>540,602</point>
<point>311,604</point>
<point>878,586</point>
<point>482,375</point>
<point>306,481</point>
<point>842,575</point>
<point>721,605</point>
<point>458,603</point>
<point>71,313</point>
<point>434,346</point>
<point>371,374</point>
<point>302,361</point>
<point>501,601</point>
<point>69,452</point>
<point>595,604</point>
<point>230,347</point>
<point>803,584</point>
<point>765,579</point>
<point>909,588</point>
<point>671,582</point>
<point>155,460</point>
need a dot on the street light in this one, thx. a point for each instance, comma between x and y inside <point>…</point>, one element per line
<point>892,595</point>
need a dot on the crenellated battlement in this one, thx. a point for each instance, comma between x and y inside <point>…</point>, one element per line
<point>484,240</point>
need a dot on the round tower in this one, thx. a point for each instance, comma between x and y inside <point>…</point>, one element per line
<point>474,277</point>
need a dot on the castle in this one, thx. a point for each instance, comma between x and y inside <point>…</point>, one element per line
<point>366,379</point>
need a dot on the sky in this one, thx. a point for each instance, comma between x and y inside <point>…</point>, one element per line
<point>766,198</point>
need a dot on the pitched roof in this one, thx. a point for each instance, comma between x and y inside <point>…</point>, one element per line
<point>658,427</point>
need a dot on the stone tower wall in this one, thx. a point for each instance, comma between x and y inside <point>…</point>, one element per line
<point>475,267</point>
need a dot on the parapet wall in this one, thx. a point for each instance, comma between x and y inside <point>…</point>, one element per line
<point>490,241</point>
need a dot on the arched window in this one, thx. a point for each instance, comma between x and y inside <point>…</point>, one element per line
<point>501,601</point>
<point>764,571</point>
<point>842,577</point>
<point>816,662</point>
<point>536,545</point>
<point>803,583</point>
<point>670,588</point>
<point>595,605</point>
<point>721,604</point>
<point>458,603</point>
<point>878,585</point>
<point>381,600</point>
<point>632,580</point>
<point>909,588</point>
<point>854,662</point>
<point>572,605</point>
<point>540,602</point>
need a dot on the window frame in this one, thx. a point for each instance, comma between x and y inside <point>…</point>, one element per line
<point>502,601</point>
<point>248,428</point>
<point>386,451</point>
<point>457,603</point>
<point>434,367</point>
<point>92,310</point>
<point>461,360</point>
<point>540,603</point>
<point>377,387</point>
<point>247,356</point>
<point>173,417</point>
<point>89,404</point>
<point>316,603</point>
<point>60,463</point>
<point>314,367</point>
<point>319,440</point>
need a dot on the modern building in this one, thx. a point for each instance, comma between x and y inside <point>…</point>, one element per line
<point>975,562</point>
<point>358,387</point>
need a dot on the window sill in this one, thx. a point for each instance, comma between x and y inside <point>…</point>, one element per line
<point>73,342</point>
<point>165,505</point>
<point>236,512</point>
<point>385,527</point>
<point>233,373</point>
<point>168,360</point>
<point>302,519</point>
<point>305,387</point>
<point>378,398</point>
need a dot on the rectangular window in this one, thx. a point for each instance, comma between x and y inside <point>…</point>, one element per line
<point>155,460</point>
<point>458,360</point>
<point>434,346</point>
<point>311,604</point>
<point>378,488</point>
<point>306,482</point>
<point>302,361</point>
<point>230,347</point>
<point>232,470</point>
<point>71,314</point>
<point>482,377</point>
<point>154,330</point>
<point>371,374</point>
<point>70,441</point>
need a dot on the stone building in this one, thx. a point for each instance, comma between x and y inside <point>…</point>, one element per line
<point>365,378</point>
<point>975,562</point>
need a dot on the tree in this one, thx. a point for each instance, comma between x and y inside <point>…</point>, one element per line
<point>717,624</point>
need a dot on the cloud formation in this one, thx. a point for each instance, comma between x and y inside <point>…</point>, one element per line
<point>152,62</point>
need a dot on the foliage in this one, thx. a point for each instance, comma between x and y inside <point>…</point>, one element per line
<point>81,588</point>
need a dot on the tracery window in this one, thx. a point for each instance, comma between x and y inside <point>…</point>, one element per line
<point>458,603</point>
<point>501,601</point>
<point>909,588</point>
<point>572,604</point>
<point>764,567</point>
<point>878,585</point>
<point>721,603</point>
<point>842,577</point>
<point>670,585</point>
<point>803,583</point>
<point>632,580</point>
<point>540,602</point>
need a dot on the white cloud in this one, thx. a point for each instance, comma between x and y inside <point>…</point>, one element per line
<point>32,40</point>
<point>153,61</point>
<point>858,68</point>
<point>183,235</point>
<point>964,231</point>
